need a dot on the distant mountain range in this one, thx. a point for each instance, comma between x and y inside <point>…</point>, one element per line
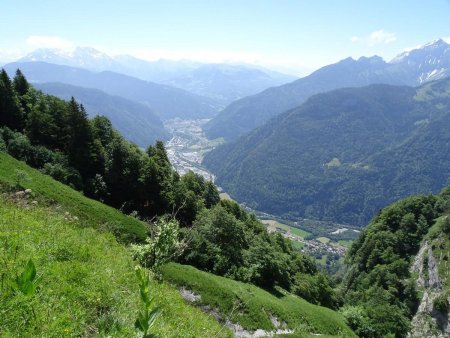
<point>135,121</point>
<point>430,62</point>
<point>343,155</point>
<point>223,83</point>
<point>167,102</point>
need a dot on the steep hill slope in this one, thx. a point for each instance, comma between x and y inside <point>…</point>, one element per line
<point>87,283</point>
<point>167,102</point>
<point>90,212</point>
<point>135,121</point>
<point>86,280</point>
<point>342,155</point>
<point>398,269</point>
<point>427,63</point>
<point>241,304</point>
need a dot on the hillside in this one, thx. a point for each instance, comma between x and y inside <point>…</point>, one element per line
<point>135,121</point>
<point>397,279</point>
<point>342,155</point>
<point>90,212</point>
<point>167,102</point>
<point>86,280</point>
<point>242,303</point>
<point>413,68</point>
<point>79,261</point>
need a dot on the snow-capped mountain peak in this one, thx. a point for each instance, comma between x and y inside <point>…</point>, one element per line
<point>437,46</point>
<point>426,63</point>
<point>84,57</point>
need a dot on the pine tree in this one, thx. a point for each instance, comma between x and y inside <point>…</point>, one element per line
<point>11,114</point>
<point>80,141</point>
<point>21,84</point>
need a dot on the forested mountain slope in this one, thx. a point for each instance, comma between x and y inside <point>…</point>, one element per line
<point>342,155</point>
<point>398,268</point>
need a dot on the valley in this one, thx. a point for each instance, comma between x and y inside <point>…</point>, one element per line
<point>188,145</point>
<point>225,169</point>
<point>186,149</point>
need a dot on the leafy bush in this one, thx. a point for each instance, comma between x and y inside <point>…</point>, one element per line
<point>446,225</point>
<point>356,318</point>
<point>441,303</point>
<point>164,244</point>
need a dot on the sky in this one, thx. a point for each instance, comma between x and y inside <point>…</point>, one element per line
<point>294,36</point>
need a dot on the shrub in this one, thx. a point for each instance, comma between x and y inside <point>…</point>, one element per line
<point>441,303</point>
<point>2,144</point>
<point>163,246</point>
<point>446,225</point>
<point>356,318</point>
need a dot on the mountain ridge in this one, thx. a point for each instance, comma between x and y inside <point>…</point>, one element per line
<point>222,82</point>
<point>167,102</point>
<point>247,113</point>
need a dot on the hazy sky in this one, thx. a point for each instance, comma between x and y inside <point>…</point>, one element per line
<point>293,35</point>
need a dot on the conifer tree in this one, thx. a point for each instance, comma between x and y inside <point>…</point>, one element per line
<point>11,114</point>
<point>21,84</point>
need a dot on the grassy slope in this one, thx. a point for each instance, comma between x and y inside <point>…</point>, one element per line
<point>90,212</point>
<point>251,307</point>
<point>88,286</point>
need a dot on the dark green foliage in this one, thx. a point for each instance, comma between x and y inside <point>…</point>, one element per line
<point>342,155</point>
<point>218,241</point>
<point>441,304</point>
<point>11,114</point>
<point>26,282</point>
<point>378,281</point>
<point>227,241</point>
<point>356,318</point>
<point>21,84</point>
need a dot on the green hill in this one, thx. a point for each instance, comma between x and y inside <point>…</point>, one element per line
<point>90,212</point>
<point>398,279</point>
<point>87,282</point>
<point>342,155</point>
<point>253,308</point>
